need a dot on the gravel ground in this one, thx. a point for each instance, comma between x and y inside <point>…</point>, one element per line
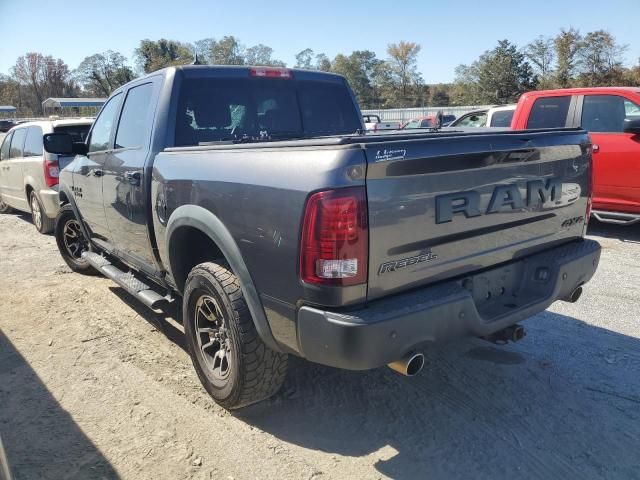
<point>93,385</point>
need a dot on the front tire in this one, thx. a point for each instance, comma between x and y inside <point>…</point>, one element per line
<point>39,217</point>
<point>231,360</point>
<point>71,241</point>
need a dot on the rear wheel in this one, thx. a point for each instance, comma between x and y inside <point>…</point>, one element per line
<point>4,208</point>
<point>42,223</point>
<point>71,241</point>
<point>232,362</point>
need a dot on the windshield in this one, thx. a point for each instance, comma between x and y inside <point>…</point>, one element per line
<point>228,109</point>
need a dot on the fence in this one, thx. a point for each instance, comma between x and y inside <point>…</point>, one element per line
<point>404,114</point>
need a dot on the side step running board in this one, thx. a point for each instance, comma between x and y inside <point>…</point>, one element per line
<point>616,217</point>
<point>127,281</point>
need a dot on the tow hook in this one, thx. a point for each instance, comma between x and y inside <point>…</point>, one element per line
<point>506,335</point>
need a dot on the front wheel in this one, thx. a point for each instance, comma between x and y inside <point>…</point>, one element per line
<point>231,360</point>
<point>71,241</point>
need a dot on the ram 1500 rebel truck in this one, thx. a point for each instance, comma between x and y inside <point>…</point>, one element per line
<point>252,196</point>
<point>611,115</point>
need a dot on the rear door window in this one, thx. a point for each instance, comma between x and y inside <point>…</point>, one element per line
<point>501,118</point>
<point>4,151</point>
<point>604,113</point>
<point>135,119</point>
<point>33,144</point>
<point>549,112</point>
<point>17,143</point>
<point>78,133</point>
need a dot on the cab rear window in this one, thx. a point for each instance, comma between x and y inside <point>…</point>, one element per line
<point>228,109</point>
<point>549,112</point>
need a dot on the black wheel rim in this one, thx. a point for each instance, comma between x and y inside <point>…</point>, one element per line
<point>74,240</point>
<point>36,213</point>
<point>214,344</point>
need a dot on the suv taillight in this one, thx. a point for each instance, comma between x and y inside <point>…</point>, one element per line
<point>334,248</point>
<point>51,172</point>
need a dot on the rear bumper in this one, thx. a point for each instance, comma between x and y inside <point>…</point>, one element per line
<point>50,201</point>
<point>387,329</point>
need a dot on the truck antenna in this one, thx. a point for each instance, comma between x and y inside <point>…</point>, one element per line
<point>196,60</point>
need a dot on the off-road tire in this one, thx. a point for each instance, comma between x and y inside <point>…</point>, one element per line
<point>256,372</point>
<point>39,217</point>
<point>79,265</point>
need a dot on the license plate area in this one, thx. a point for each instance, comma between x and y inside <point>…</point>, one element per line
<point>497,291</point>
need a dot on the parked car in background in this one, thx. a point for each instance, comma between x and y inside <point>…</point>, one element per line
<point>251,194</point>
<point>29,175</point>
<point>6,125</point>
<point>611,115</point>
<point>420,122</point>
<point>499,116</point>
<point>372,123</point>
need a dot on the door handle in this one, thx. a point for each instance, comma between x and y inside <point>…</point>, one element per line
<point>97,173</point>
<point>595,147</point>
<point>133,178</point>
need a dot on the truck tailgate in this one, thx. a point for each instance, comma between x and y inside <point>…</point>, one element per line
<point>440,207</point>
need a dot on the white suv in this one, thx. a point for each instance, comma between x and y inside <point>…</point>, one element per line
<point>29,175</point>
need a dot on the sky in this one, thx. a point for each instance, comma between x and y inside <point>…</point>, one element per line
<point>450,32</point>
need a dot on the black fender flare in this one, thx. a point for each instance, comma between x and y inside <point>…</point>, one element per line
<point>66,190</point>
<point>202,219</point>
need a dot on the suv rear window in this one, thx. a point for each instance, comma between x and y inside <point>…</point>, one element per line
<point>549,112</point>
<point>78,132</point>
<point>225,109</point>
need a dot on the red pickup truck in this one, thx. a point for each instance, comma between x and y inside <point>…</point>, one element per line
<point>611,115</point>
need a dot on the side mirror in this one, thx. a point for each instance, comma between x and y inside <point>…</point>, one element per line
<point>439,119</point>
<point>63,144</point>
<point>632,126</point>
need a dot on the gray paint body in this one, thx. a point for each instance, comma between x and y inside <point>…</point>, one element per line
<point>250,198</point>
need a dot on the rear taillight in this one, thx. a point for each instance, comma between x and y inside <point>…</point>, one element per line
<point>334,247</point>
<point>51,172</point>
<point>271,72</point>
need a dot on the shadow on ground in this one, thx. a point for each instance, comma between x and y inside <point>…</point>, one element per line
<point>564,403</point>
<point>630,233</point>
<point>41,439</point>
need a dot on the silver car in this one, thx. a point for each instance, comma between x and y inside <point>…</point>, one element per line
<point>29,175</point>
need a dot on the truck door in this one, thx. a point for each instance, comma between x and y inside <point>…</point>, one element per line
<point>126,182</point>
<point>87,177</point>
<point>616,155</point>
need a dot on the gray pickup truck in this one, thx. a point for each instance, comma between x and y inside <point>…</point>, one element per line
<point>253,196</point>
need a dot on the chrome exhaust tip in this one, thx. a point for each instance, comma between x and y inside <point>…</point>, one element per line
<point>574,296</point>
<point>409,365</point>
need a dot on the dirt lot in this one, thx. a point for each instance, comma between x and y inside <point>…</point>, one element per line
<point>92,385</point>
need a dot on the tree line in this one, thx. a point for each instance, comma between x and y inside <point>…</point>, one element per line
<point>498,76</point>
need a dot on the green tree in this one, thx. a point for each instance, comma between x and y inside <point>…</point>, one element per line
<point>153,55</point>
<point>304,59</point>
<point>358,68</point>
<point>262,55</point>
<point>601,59</point>
<point>402,61</point>
<point>101,73</point>
<point>440,96</point>
<point>499,76</point>
<point>567,48</point>
<point>541,54</point>
<point>227,51</point>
